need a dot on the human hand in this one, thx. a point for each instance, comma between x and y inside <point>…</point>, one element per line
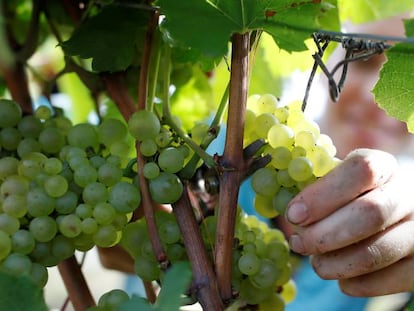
<point>357,223</point>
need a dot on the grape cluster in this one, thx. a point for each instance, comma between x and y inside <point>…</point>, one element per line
<point>299,152</point>
<point>61,188</point>
<point>165,155</point>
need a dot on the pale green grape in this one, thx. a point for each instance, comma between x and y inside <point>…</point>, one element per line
<point>66,203</point>
<point>144,124</point>
<point>151,170</point>
<point>298,151</point>
<point>70,225</point>
<point>39,203</point>
<point>120,149</point>
<point>163,138</point>
<point>146,269</point>
<point>83,211</point>
<point>51,139</point>
<point>30,126</point>
<point>8,167</point>
<point>89,225</point>
<point>263,123</point>
<point>169,232</point>
<point>62,247</point>
<point>264,181</point>
<point>267,103</point>
<point>52,166</point>
<point>252,294</point>
<point>321,160</point>
<point>17,264</point>
<point>305,139</point>
<point>281,199</point>
<point>9,224</point>
<point>111,130</point>
<point>280,135</point>
<point>273,303</point>
<point>281,157</point>
<point>148,147</point>
<point>284,179</point>
<point>39,274</point>
<point>56,186</point>
<point>281,114</point>
<point>113,299</point>
<point>43,112</point>
<point>300,169</point>
<point>28,145</point>
<point>10,138</point>
<point>94,193</point>
<point>104,213</point>
<point>267,274</point>
<point>84,175</point>
<point>264,206</point>
<point>109,174</point>
<point>15,205</point>
<point>106,236</point>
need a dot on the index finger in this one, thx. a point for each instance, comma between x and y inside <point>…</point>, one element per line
<point>361,171</point>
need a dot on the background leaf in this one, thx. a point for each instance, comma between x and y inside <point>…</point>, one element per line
<point>394,92</point>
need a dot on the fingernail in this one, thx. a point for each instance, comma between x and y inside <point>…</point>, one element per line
<point>296,244</point>
<point>297,213</point>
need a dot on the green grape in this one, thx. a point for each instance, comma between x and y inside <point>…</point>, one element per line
<point>85,175</point>
<point>106,236</point>
<point>326,142</point>
<point>166,188</point>
<point>175,252</point>
<point>133,234</point>
<point>267,103</point>
<point>284,179</point>
<point>43,112</point>
<point>83,135</point>
<point>39,274</point>
<point>71,151</point>
<point>146,269</point>
<point>110,131</point>
<point>23,242</point>
<point>109,174</point>
<point>305,139</point>
<point>52,166</point>
<point>263,123</point>
<point>151,170</point>
<point>17,264</point>
<point>273,303</point>
<point>124,197</point>
<point>43,228</point>
<point>281,157</point>
<point>94,193</point>
<point>84,242</point>
<point>114,160</point>
<point>148,147</point>
<point>267,274</point>
<point>281,200</point>
<point>30,126</point>
<point>39,203</point>
<point>169,232</point>
<point>249,247</point>
<point>170,160</point>
<point>77,162</point>
<point>10,113</point>
<point>285,271</point>
<point>15,205</point>
<point>251,103</point>
<point>278,252</point>
<point>263,205</point>
<point>28,145</point>
<point>8,167</point>
<point>83,211</point>
<point>52,140</point>
<point>281,114</point>
<point>5,240</point>
<point>300,169</point>
<point>264,181</point>
<point>70,225</point>
<point>163,138</point>
<point>104,213</point>
<point>56,186</point>
<point>31,165</point>
<point>280,135</point>
<point>10,138</point>
<point>298,151</point>
<point>113,299</point>
<point>66,203</point>
<point>289,290</point>
<point>97,161</point>
<point>89,225</point>
<point>144,124</point>
<point>120,149</point>
<point>9,224</point>
<point>321,160</point>
<point>120,220</point>
<point>252,294</point>
<point>62,247</point>
<point>249,263</point>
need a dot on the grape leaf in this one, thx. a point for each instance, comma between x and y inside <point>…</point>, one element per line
<point>110,38</point>
<point>20,294</point>
<point>290,22</point>
<point>369,10</point>
<point>394,91</point>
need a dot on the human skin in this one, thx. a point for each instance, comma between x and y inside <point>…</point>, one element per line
<point>357,222</point>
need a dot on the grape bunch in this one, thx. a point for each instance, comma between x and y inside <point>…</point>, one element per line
<point>62,188</point>
<point>299,152</point>
<point>164,153</point>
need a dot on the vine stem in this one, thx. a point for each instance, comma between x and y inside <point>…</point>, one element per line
<point>75,283</point>
<point>232,162</point>
<point>203,275</point>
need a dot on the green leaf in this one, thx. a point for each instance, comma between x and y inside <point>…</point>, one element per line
<point>175,283</point>
<point>290,22</point>
<point>111,38</point>
<point>362,11</point>
<point>20,294</point>
<point>394,91</point>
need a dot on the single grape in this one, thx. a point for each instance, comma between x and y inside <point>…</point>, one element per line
<point>113,299</point>
<point>17,264</point>
<point>56,186</point>
<point>170,160</point>
<point>52,166</point>
<point>8,167</point>
<point>124,197</point>
<point>151,170</point>
<point>10,138</point>
<point>66,203</point>
<point>263,205</point>
<point>281,157</point>
<point>39,274</point>
<point>62,247</point>
<point>264,181</point>
<point>94,193</point>
<point>104,213</point>
<point>148,147</point>
<point>144,124</point>
<point>39,203</point>
<point>9,224</point>
<point>28,145</point>
<point>43,112</point>
<point>106,236</point>
<point>23,242</point>
<point>146,269</point>
<point>5,241</point>
<point>83,135</point>
<point>109,174</point>
<point>111,130</point>
<point>10,113</point>
<point>30,126</point>
<point>70,225</point>
<point>166,188</point>
<point>43,228</point>
<point>263,123</point>
<point>51,139</point>
<point>15,205</point>
<point>267,103</point>
<point>249,263</point>
<point>267,274</point>
<point>280,135</point>
<point>300,169</point>
<point>169,232</point>
<point>84,175</point>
